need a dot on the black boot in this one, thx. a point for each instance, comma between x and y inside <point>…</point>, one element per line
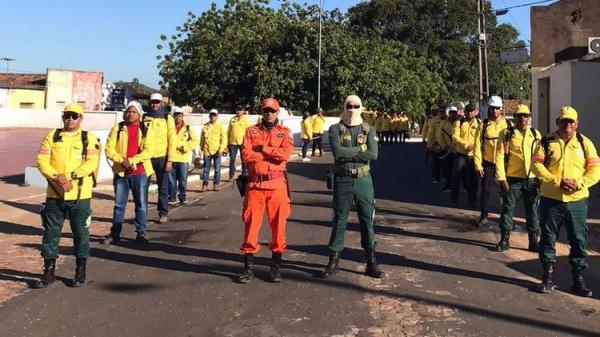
<point>534,242</point>
<point>48,276</point>
<point>248,269</point>
<point>372,267</point>
<point>504,243</point>
<point>275,275</point>
<point>332,265</point>
<point>79,278</point>
<point>579,287</point>
<point>483,219</point>
<point>547,284</point>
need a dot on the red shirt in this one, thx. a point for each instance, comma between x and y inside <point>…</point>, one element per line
<point>133,147</point>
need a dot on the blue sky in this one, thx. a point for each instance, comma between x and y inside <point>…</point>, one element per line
<point>119,37</point>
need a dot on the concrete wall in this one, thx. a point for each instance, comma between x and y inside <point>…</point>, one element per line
<point>59,88</point>
<point>18,96</point>
<point>3,98</point>
<point>585,98</point>
<point>560,92</point>
<point>73,86</point>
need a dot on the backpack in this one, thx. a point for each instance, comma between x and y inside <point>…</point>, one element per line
<point>365,127</point>
<point>510,133</point>
<point>84,140</point>
<point>549,139</point>
<point>143,128</point>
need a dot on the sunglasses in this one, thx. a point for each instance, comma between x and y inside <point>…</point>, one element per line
<point>568,120</point>
<point>521,116</point>
<point>72,116</point>
<point>269,111</point>
<point>352,106</point>
<point>155,102</point>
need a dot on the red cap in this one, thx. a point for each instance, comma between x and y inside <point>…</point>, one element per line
<point>270,103</point>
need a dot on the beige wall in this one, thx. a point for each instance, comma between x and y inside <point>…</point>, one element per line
<point>16,97</point>
<point>59,88</point>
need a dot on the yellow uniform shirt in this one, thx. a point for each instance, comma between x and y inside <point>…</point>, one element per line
<point>187,141</point>
<point>116,149</point>
<point>489,141</point>
<point>425,130</point>
<point>64,156</point>
<point>318,124</point>
<point>306,129</point>
<point>466,134</point>
<point>237,129</point>
<point>213,138</point>
<point>432,132</point>
<point>445,134</point>
<point>519,149</point>
<point>567,160</point>
<point>164,133</point>
<point>386,124</point>
<point>403,123</point>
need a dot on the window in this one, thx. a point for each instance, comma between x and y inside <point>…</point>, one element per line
<point>60,104</point>
<point>26,105</point>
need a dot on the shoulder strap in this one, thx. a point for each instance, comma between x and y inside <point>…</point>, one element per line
<point>187,127</point>
<point>121,127</point>
<point>535,132</point>
<point>57,137</point>
<point>510,133</point>
<point>166,116</point>
<point>580,139</point>
<point>342,128</point>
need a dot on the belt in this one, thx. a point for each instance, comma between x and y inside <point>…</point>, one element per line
<point>266,177</point>
<point>354,172</point>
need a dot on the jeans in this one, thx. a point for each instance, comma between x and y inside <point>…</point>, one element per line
<point>162,179</point>
<point>305,143</point>
<point>138,185</point>
<point>233,151</point>
<point>208,160</point>
<point>178,181</point>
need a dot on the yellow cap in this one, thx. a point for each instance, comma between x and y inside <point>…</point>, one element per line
<point>567,112</point>
<point>76,108</point>
<point>522,109</point>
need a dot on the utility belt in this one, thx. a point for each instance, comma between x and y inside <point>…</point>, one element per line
<point>353,172</point>
<point>254,178</point>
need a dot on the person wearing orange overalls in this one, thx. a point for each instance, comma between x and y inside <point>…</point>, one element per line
<point>266,150</point>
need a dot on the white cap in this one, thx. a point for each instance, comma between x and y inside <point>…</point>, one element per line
<point>495,101</point>
<point>213,111</point>
<point>452,108</point>
<point>178,110</point>
<point>156,97</point>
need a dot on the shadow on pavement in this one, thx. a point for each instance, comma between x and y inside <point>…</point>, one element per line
<point>17,179</point>
<point>25,277</point>
<point>32,208</point>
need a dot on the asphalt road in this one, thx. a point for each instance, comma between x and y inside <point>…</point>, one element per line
<point>442,277</point>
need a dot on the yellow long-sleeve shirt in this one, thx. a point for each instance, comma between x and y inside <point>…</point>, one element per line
<point>489,141</point>
<point>445,134</point>
<point>318,124</point>
<point>432,134</point>
<point>425,130</point>
<point>306,129</point>
<point>64,156</point>
<point>519,149</point>
<point>116,149</point>
<point>164,133</point>
<point>567,160</point>
<point>465,134</point>
<point>403,123</point>
<point>386,124</point>
<point>213,138</point>
<point>237,129</point>
<point>187,141</point>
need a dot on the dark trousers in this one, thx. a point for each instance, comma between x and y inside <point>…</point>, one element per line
<point>317,143</point>
<point>404,136</point>
<point>162,180</point>
<point>487,184</point>
<point>553,214</point>
<point>448,163</point>
<point>305,143</point>
<point>531,198</point>
<point>345,191</point>
<point>464,174</point>
<point>436,164</point>
<point>233,151</point>
<point>54,213</point>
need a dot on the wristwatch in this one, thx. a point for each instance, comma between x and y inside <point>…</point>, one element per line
<point>73,175</point>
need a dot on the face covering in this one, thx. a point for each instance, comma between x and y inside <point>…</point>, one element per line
<point>351,117</point>
<point>270,126</point>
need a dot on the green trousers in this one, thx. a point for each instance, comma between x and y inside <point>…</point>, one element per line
<point>360,190</point>
<point>53,218</point>
<point>531,198</point>
<point>554,213</point>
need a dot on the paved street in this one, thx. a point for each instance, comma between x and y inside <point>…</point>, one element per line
<point>442,277</point>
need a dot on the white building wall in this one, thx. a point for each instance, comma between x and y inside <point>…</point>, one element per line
<point>586,98</point>
<point>560,91</point>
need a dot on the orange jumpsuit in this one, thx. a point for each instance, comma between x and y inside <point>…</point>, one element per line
<point>267,185</point>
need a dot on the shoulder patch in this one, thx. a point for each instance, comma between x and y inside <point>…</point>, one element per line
<point>280,135</point>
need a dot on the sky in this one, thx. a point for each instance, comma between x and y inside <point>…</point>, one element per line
<point>119,37</point>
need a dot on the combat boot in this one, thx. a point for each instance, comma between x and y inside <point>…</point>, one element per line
<point>547,284</point>
<point>504,243</point>
<point>48,275</point>
<point>332,265</point>
<point>579,287</point>
<point>79,278</point>
<point>372,267</point>
<point>534,242</point>
<point>248,269</point>
<point>275,275</point>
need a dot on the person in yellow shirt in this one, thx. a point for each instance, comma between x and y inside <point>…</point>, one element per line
<point>318,128</point>
<point>485,155</point>
<point>403,127</point>
<point>187,140</point>
<point>235,136</point>
<point>446,143</point>
<point>130,146</point>
<point>567,164</point>
<point>466,138</point>
<point>163,128</point>
<point>513,172</point>
<point>433,144</point>
<point>67,158</point>
<point>394,128</point>
<point>306,134</point>
<point>213,144</point>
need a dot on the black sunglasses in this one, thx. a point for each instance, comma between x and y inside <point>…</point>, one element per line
<point>72,116</point>
<point>521,116</point>
<point>269,111</point>
<point>350,106</point>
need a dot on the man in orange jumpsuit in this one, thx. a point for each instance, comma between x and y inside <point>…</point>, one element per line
<point>266,149</point>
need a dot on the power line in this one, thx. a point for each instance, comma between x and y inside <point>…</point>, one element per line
<point>523,5</point>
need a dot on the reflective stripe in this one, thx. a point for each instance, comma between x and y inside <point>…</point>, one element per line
<point>89,152</point>
<point>44,151</point>
<point>538,158</point>
<point>593,161</point>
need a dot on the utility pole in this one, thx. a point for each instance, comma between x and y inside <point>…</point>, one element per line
<point>484,90</point>
<point>319,70</point>
<point>8,60</point>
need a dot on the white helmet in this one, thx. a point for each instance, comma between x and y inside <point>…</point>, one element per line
<point>495,101</point>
